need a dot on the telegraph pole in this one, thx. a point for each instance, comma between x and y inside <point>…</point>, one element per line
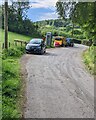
<point>6,24</point>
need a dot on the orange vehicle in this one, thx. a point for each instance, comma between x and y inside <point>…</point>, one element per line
<point>59,41</point>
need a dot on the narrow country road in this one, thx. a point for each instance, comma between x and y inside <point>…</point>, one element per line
<point>58,85</point>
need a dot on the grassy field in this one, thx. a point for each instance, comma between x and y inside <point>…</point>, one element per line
<point>11,80</point>
<point>12,36</point>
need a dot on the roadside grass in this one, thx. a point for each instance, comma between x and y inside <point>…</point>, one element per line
<point>11,84</point>
<point>89,57</point>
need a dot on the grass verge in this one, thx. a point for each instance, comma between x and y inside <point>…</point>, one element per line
<point>11,82</point>
<point>89,57</point>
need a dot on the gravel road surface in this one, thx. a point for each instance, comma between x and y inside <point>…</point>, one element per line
<point>58,85</point>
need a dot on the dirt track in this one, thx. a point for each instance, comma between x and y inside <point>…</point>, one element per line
<point>58,85</point>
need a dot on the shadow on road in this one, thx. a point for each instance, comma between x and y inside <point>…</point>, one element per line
<point>50,54</point>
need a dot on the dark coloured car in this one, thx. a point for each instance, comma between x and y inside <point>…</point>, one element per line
<point>70,42</point>
<point>36,45</point>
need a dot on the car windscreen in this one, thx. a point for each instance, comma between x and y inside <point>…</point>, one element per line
<point>58,39</point>
<point>35,41</point>
<point>69,39</point>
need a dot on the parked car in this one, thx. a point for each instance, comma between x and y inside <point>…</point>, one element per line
<point>36,45</point>
<point>70,42</point>
<point>59,41</point>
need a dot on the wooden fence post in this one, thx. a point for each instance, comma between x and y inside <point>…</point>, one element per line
<point>21,43</point>
<point>3,46</point>
<point>15,43</point>
<point>9,44</point>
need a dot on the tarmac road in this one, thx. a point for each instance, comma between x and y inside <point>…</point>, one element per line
<point>58,85</point>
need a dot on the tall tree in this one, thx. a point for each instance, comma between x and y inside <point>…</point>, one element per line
<point>86,17</point>
<point>18,10</point>
<point>82,13</point>
<point>17,19</point>
<point>65,11</point>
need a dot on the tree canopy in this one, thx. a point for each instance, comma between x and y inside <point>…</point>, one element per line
<point>83,13</point>
<point>17,19</point>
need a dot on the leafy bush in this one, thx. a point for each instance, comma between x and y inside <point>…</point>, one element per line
<point>9,108</point>
<point>77,41</point>
<point>68,28</point>
<point>13,52</point>
<point>77,32</point>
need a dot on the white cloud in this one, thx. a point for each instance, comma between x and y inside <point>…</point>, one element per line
<point>48,16</point>
<point>43,3</point>
<point>36,3</point>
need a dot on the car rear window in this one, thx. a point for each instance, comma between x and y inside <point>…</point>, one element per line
<point>35,41</point>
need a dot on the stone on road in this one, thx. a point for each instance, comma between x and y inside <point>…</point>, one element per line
<point>58,85</point>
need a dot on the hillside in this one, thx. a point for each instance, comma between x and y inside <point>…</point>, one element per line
<point>61,27</point>
<point>12,36</point>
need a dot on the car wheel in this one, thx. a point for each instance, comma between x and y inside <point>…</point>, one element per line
<point>72,45</point>
<point>62,45</point>
<point>45,51</point>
